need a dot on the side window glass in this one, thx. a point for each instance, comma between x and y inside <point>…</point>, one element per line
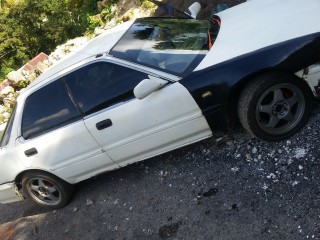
<point>102,84</point>
<point>7,132</point>
<point>47,109</point>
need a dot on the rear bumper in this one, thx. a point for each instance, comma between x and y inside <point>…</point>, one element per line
<point>9,193</point>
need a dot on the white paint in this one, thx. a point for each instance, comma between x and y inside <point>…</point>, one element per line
<point>257,24</point>
<point>165,120</point>
<point>312,76</point>
<point>194,9</point>
<point>70,147</point>
<point>148,86</point>
<point>9,193</point>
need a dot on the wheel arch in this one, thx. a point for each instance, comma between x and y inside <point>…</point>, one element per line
<point>18,178</point>
<point>291,56</point>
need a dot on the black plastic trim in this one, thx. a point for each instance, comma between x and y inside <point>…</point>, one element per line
<point>7,182</point>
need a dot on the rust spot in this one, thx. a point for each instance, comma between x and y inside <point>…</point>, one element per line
<point>7,233</point>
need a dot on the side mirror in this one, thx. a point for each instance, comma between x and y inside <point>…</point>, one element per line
<point>148,86</point>
<point>194,9</point>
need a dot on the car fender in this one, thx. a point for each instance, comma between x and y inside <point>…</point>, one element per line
<point>225,80</point>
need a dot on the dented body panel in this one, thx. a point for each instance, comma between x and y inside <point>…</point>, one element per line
<point>311,75</point>
<point>225,80</point>
<point>255,25</point>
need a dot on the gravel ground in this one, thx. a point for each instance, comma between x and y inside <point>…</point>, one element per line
<point>241,188</point>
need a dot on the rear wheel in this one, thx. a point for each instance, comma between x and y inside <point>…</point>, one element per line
<point>275,106</point>
<point>46,189</point>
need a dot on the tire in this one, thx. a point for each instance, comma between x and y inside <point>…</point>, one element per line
<point>46,189</point>
<point>275,106</point>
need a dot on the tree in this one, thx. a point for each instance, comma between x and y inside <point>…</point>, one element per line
<point>32,26</point>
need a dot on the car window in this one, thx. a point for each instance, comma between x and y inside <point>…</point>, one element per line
<point>47,109</point>
<point>7,132</point>
<point>102,84</point>
<point>174,45</point>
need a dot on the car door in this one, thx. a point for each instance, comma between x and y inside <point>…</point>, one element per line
<point>54,137</point>
<point>129,129</point>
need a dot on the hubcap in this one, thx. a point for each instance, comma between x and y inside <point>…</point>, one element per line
<point>44,191</point>
<point>280,108</point>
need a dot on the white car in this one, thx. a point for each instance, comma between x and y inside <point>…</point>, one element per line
<point>156,84</point>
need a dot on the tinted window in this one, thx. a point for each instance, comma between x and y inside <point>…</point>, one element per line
<point>102,84</point>
<point>47,109</point>
<point>174,45</point>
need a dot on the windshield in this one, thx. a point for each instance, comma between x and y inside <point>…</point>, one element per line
<point>174,45</point>
<point>7,132</point>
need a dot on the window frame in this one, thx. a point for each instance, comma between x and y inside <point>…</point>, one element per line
<point>116,103</point>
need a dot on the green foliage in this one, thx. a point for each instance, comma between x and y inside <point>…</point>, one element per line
<point>4,71</point>
<point>108,13</point>
<point>93,22</point>
<point>146,4</point>
<point>23,84</point>
<point>29,27</point>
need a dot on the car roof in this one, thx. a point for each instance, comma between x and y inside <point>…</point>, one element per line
<point>256,24</point>
<point>101,44</point>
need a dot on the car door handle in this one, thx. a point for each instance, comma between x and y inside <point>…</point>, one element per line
<point>104,124</point>
<point>30,152</point>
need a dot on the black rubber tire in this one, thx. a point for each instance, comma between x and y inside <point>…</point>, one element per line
<point>64,190</point>
<point>257,89</point>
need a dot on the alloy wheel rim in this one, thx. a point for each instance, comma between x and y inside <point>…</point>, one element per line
<point>44,191</point>
<point>280,108</point>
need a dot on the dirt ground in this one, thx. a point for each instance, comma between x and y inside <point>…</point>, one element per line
<point>240,188</point>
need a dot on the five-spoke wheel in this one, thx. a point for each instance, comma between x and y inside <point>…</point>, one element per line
<point>46,189</point>
<point>274,106</point>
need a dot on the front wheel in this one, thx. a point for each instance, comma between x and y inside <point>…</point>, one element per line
<point>46,189</point>
<point>275,106</point>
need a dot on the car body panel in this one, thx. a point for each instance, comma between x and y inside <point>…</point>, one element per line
<point>11,163</point>
<point>258,24</point>
<point>9,193</point>
<point>66,153</point>
<point>312,76</point>
<point>10,166</point>
<point>166,119</point>
<point>223,79</point>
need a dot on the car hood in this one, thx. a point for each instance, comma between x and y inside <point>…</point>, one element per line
<point>258,23</point>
